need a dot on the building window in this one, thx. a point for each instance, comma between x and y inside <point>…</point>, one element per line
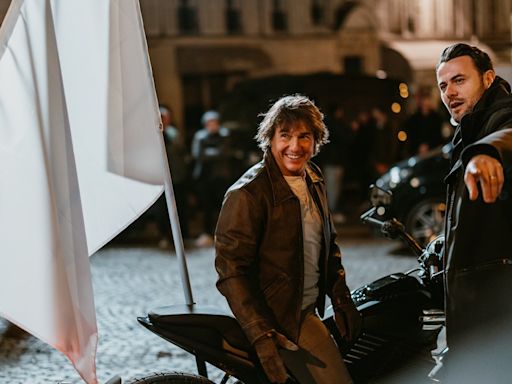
<point>342,13</point>
<point>353,65</point>
<point>474,21</point>
<point>187,18</point>
<point>233,17</point>
<point>395,13</point>
<point>279,21</point>
<point>490,27</point>
<point>318,12</point>
<point>411,25</point>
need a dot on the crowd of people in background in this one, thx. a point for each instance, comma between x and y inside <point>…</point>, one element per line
<point>424,127</point>
<point>360,149</point>
<point>363,148</point>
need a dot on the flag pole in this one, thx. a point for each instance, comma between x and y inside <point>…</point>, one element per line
<point>175,223</point>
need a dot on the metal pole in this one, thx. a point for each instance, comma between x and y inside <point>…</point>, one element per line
<point>175,224</point>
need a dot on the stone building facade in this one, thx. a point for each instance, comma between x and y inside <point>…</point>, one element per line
<point>200,49</point>
<point>218,43</point>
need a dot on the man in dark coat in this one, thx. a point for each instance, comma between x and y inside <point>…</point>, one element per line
<point>478,256</point>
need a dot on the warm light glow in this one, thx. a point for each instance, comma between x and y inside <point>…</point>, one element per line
<point>404,90</point>
<point>381,74</point>
<point>402,136</point>
<point>396,108</point>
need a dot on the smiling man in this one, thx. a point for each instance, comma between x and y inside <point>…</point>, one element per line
<point>478,228</point>
<point>276,254</point>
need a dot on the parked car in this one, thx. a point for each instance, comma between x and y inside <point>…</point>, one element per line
<point>419,192</point>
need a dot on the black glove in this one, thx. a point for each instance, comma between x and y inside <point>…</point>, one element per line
<point>272,363</point>
<point>348,319</point>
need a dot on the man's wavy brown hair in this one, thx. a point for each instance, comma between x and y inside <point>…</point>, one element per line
<point>289,110</point>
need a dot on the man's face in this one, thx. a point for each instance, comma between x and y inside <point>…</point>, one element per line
<point>166,118</point>
<point>461,85</point>
<point>212,126</point>
<point>292,147</point>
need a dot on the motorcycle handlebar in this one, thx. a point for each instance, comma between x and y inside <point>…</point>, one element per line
<point>367,217</point>
<point>392,228</point>
<point>412,243</point>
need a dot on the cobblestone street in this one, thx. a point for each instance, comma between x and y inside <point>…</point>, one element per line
<point>130,281</point>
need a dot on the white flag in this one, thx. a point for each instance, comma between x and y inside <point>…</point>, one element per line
<point>113,112</point>
<point>79,158</point>
<point>45,283</point>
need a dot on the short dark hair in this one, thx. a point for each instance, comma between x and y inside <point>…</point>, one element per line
<point>287,110</point>
<point>481,59</point>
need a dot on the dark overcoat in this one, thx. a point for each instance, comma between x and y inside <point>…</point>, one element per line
<point>478,252</point>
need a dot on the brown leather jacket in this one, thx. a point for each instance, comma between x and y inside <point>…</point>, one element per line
<point>259,251</point>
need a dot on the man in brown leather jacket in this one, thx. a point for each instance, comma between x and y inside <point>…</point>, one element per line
<point>478,259</point>
<point>276,254</point>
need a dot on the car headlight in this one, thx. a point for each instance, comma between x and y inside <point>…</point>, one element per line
<point>393,177</point>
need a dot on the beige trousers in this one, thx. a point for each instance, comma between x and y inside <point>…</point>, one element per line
<point>318,360</point>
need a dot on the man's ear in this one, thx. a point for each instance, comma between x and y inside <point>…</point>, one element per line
<point>489,77</point>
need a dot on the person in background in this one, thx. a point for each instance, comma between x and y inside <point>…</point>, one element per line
<point>211,152</point>
<point>333,159</point>
<point>276,255</point>
<point>424,126</point>
<point>478,227</point>
<point>383,143</point>
<point>359,169</point>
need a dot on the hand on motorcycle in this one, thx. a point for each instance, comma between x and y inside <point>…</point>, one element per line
<point>348,320</point>
<point>267,351</point>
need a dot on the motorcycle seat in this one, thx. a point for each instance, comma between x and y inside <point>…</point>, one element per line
<point>197,318</point>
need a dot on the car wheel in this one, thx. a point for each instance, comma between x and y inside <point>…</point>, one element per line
<point>425,220</point>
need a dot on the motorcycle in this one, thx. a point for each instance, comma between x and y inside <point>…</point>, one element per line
<point>402,318</point>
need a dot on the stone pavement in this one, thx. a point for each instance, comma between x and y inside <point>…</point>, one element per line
<point>130,281</point>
